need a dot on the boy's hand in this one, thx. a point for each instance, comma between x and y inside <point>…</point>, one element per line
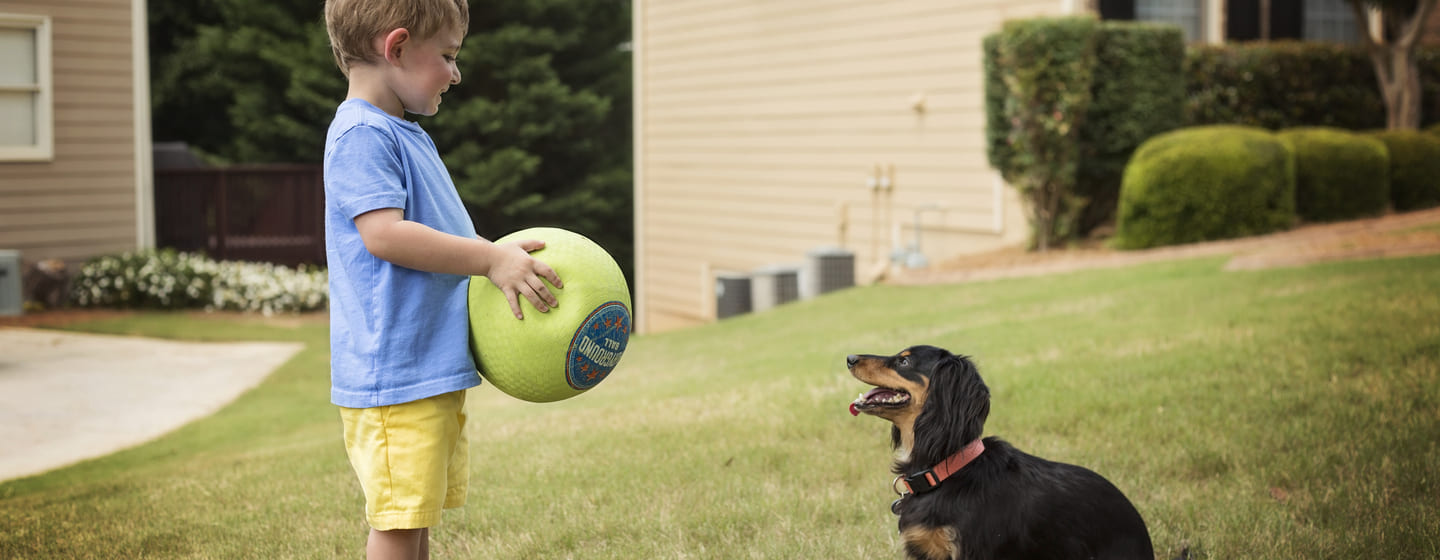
<point>517,274</point>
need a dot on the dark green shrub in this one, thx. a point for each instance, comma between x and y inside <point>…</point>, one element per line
<point>1434,129</point>
<point>1339,175</point>
<point>1287,84</point>
<point>1282,84</point>
<point>1414,168</point>
<point>997,127</point>
<point>1045,66</point>
<point>1206,183</point>
<point>1138,92</point>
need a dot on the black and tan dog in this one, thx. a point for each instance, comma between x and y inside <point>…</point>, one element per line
<point>964,497</point>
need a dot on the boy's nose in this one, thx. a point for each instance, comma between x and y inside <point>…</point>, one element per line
<point>455,76</point>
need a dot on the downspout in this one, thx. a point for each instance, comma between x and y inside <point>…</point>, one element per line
<point>144,148</point>
<point>637,93</point>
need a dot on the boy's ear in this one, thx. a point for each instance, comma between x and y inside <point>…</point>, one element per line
<point>395,41</point>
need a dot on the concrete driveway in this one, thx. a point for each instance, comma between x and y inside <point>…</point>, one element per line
<point>66,397</point>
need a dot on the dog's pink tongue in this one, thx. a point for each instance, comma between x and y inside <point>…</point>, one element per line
<point>854,411</point>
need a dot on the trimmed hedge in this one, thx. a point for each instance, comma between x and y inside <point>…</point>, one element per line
<point>1283,84</point>
<point>1339,175</point>
<point>1206,183</point>
<point>1414,168</point>
<point>1046,67</point>
<point>1138,92</point>
<point>997,127</point>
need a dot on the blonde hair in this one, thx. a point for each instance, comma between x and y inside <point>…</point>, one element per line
<point>353,25</point>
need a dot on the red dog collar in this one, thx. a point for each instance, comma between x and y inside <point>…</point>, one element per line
<point>929,479</point>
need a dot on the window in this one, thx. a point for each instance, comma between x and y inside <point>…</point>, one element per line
<point>25,118</point>
<point>1311,20</point>
<point>1184,13</point>
<point>1330,20</point>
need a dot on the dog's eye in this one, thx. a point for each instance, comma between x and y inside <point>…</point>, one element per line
<point>904,361</point>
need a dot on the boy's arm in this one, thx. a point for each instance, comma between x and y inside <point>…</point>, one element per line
<point>390,237</point>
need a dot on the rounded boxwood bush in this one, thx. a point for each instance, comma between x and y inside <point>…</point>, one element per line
<point>1205,183</point>
<point>1414,168</point>
<point>1339,175</point>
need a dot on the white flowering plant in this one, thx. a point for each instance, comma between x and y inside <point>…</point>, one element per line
<point>168,279</point>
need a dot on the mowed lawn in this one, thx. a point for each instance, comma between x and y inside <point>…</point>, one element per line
<point>1290,413</point>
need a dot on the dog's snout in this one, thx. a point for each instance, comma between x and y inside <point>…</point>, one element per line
<point>851,360</point>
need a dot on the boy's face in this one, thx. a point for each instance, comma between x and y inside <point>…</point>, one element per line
<point>427,68</point>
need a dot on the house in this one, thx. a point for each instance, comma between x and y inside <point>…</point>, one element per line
<point>75,154</point>
<point>765,130</point>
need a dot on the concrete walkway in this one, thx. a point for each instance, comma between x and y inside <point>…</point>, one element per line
<point>66,397</point>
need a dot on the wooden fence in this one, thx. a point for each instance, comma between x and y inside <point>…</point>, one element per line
<point>269,213</point>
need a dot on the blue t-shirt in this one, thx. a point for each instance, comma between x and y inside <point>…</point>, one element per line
<point>396,334</point>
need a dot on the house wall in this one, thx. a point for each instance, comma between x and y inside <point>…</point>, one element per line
<point>760,124</point>
<point>84,201</point>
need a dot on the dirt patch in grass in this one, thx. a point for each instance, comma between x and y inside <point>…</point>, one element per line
<point>1394,235</point>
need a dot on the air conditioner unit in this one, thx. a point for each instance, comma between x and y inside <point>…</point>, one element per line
<point>12,300</point>
<point>732,295</point>
<point>831,269</point>
<point>774,285</point>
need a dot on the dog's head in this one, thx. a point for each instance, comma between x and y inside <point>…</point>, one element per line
<point>936,399</point>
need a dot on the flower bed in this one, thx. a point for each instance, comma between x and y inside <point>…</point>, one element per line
<point>167,279</point>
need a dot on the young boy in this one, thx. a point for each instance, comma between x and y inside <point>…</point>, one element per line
<point>401,250</point>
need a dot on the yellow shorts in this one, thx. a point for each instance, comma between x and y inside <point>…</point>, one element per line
<point>412,459</point>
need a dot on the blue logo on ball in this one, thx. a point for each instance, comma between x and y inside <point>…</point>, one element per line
<point>597,345</point>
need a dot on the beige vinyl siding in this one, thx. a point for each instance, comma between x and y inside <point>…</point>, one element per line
<point>82,203</point>
<point>759,124</point>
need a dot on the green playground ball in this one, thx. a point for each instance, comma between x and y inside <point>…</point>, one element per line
<point>552,356</point>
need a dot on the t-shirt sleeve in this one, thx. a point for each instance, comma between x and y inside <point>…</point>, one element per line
<point>364,172</point>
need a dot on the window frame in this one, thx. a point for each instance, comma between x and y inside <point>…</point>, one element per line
<point>44,147</point>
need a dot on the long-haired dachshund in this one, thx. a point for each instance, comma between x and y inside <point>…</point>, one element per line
<point>964,497</point>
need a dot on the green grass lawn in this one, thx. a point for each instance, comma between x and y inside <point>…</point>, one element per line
<point>1286,413</point>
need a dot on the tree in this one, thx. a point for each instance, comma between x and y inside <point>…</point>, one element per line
<point>537,132</point>
<point>1402,23</point>
<point>242,82</point>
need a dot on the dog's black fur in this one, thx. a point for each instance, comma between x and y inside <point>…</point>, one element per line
<point>1004,504</point>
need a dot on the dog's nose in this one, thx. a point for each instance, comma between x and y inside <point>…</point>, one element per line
<point>851,360</point>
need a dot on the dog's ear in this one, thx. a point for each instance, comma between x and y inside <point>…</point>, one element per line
<point>956,406</point>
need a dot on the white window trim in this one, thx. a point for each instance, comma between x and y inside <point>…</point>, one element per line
<point>44,147</point>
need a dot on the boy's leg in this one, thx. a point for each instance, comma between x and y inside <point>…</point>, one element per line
<point>412,462</point>
<point>399,544</point>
